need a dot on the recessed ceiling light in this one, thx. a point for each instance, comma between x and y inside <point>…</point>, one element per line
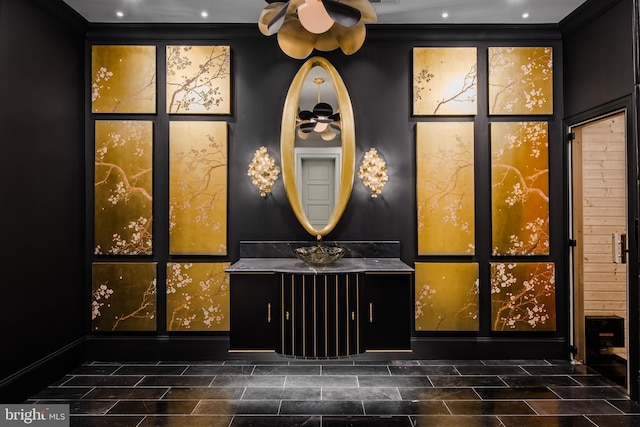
<point>119,14</point>
<point>445,14</point>
<point>204,14</point>
<point>525,15</point>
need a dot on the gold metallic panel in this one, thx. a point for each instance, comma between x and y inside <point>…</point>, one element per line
<point>198,188</point>
<point>288,137</point>
<point>123,79</point>
<point>445,81</point>
<point>198,80</point>
<point>445,188</point>
<point>446,297</point>
<point>123,188</point>
<point>197,297</point>
<point>123,297</point>
<point>520,188</point>
<point>520,80</point>
<point>523,296</point>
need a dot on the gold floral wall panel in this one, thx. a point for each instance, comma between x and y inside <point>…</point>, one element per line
<point>198,188</point>
<point>520,80</point>
<point>198,80</point>
<point>123,79</point>
<point>446,297</point>
<point>523,296</point>
<point>520,188</point>
<point>123,297</point>
<point>197,297</point>
<point>445,188</point>
<point>123,187</point>
<point>445,81</point>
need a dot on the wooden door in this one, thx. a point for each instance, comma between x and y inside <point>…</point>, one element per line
<point>599,178</point>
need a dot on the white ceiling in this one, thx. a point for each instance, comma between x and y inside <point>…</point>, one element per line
<point>404,12</point>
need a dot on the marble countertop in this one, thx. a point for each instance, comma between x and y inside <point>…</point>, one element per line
<point>343,265</point>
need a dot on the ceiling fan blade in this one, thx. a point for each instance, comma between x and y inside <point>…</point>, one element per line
<point>278,19</point>
<point>306,115</point>
<point>307,127</point>
<point>328,134</point>
<point>335,117</point>
<point>322,109</point>
<point>341,13</point>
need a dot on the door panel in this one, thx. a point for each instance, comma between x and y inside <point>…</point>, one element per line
<point>599,178</point>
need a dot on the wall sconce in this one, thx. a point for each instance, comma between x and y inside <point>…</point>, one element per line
<point>326,25</point>
<point>373,172</point>
<point>263,171</point>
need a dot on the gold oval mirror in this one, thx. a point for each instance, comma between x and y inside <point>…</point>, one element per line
<point>317,146</point>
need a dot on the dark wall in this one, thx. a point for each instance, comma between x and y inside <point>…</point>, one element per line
<point>42,302</point>
<point>379,81</point>
<point>599,74</point>
<point>598,46</point>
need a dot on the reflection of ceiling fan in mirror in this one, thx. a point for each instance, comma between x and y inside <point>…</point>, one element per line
<point>321,119</point>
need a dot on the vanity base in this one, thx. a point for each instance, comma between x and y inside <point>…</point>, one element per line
<point>350,307</point>
<point>320,315</point>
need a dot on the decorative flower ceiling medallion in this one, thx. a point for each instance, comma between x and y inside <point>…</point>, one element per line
<point>325,25</point>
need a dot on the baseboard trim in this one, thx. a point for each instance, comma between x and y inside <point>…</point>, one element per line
<point>29,380</point>
<point>490,348</point>
<point>152,348</point>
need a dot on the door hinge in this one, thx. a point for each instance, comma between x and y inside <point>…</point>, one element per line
<point>571,136</point>
<point>573,243</point>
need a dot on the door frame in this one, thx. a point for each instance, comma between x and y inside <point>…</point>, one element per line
<point>625,105</point>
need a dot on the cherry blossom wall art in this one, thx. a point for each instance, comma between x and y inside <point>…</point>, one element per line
<point>123,187</point>
<point>123,297</point>
<point>520,80</point>
<point>198,187</point>
<point>523,296</point>
<point>520,188</point>
<point>123,79</point>
<point>198,80</point>
<point>445,188</point>
<point>445,81</point>
<point>197,297</point>
<point>446,296</point>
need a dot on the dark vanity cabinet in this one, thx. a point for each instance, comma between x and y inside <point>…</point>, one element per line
<point>254,311</point>
<point>285,306</point>
<point>388,308</point>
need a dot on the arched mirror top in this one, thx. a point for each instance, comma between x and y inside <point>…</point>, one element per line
<point>318,126</point>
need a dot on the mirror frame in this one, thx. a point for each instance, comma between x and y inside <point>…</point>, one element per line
<point>288,138</point>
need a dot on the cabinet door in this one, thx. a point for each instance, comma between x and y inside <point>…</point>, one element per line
<point>388,311</point>
<point>254,312</point>
<point>320,315</point>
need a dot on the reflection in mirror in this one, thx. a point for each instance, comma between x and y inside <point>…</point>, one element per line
<point>318,146</point>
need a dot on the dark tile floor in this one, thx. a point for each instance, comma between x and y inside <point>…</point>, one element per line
<point>282,391</point>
